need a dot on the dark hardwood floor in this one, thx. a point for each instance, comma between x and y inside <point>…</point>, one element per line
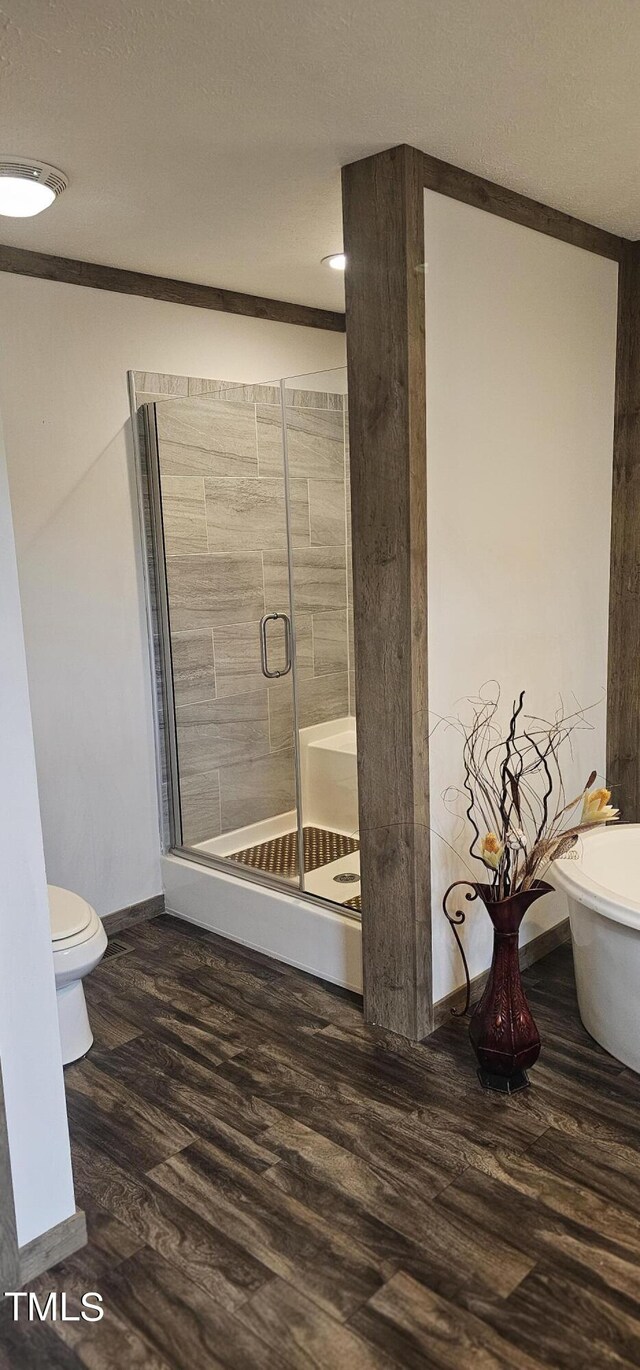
<point>270,1184</point>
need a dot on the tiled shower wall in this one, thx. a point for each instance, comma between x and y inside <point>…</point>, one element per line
<point>225,536</point>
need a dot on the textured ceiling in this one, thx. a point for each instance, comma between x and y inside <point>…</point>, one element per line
<point>203,138</point>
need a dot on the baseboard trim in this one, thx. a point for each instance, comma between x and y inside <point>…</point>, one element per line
<point>121,919</point>
<point>52,1246</point>
<point>532,951</point>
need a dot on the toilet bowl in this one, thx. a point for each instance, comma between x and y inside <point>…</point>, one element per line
<point>79,942</point>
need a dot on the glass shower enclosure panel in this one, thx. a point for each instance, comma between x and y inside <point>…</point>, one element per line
<point>317,460</point>
<point>225,518</point>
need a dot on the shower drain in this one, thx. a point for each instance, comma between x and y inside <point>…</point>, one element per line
<point>346,878</point>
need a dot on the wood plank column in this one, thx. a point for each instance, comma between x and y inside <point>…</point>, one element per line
<point>623,700</point>
<point>384,243</point>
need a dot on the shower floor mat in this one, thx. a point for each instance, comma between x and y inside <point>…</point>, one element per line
<point>279,856</point>
<point>355,903</point>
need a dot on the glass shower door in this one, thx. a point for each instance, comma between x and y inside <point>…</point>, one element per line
<point>316,441</point>
<point>225,518</point>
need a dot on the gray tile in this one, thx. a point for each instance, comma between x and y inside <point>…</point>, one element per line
<point>350,576</point>
<point>159,383</point>
<point>148,397</point>
<point>264,394</point>
<point>199,385</point>
<point>347,480</point>
<point>349,579</point>
<point>207,591</point>
<point>183,459</point>
<point>350,634</point>
<point>299,512</point>
<point>200,805</point>
<point>314,399</point>
<point>319,579</point>
<point>193,671</point>
<point>219,732</point>
<point>234,392</point>
<point>276,580</point>
<point>183,515</point>
<point>237,656</point>
<point>270,440</point>
<point>330,652</point>
<point>262,789</point>
<point>315,442</point>
<point>352,693</point>
<point>323,698</point>
<point>304,644</point>
<point>281,732</point>
<point>253,394</point>
<point>319,700</point>
<point>215,425</point>
<point>251,513</point>
<point>327,512</point>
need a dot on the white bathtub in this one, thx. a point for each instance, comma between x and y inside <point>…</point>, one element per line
<point>603,888</point>
<point>328,767</point>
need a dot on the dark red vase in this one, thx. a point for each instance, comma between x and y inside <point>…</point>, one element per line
<point>503,1033</point>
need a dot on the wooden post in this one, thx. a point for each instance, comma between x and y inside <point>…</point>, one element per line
<point>623,701</point>
<point>384,243</point>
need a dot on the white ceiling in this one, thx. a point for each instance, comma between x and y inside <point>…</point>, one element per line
<point>203,138</point>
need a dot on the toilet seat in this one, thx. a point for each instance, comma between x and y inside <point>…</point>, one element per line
<point>72,919</point>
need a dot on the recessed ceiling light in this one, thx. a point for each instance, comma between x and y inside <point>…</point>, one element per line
<point>337,260</point>
<point>28,187</point>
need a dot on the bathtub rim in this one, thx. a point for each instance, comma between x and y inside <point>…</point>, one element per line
<point>571,877</point>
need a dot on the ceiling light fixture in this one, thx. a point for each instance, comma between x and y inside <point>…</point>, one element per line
<point>28,187</point>
<point>336,260</point>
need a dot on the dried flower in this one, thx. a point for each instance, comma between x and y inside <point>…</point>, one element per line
<point>491,851</point>
<point>596,807</point>
<point>566,846</point>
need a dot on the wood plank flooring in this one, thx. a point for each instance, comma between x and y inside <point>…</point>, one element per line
<point>269,1183</point>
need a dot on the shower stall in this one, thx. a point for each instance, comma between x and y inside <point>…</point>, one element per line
<point>246,504</point>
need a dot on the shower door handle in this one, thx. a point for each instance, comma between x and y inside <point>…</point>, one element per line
<point>264,654</point>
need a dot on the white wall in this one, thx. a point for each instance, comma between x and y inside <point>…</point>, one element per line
<point>521,334</point>
<point>64,355</point>
<point>29,1041</point>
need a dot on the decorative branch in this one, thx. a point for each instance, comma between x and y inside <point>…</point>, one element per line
<point>514,793</point>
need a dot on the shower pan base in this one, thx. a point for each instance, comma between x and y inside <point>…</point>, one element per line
<point>298,931</point>
<point>331,856</point>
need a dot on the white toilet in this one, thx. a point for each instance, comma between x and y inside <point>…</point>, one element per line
<point>79,943</point>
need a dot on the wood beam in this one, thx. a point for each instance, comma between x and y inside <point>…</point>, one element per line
<point>21,262</point>
<point>623,695</point>
<point>519,209</point>
<point>384,243</point>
